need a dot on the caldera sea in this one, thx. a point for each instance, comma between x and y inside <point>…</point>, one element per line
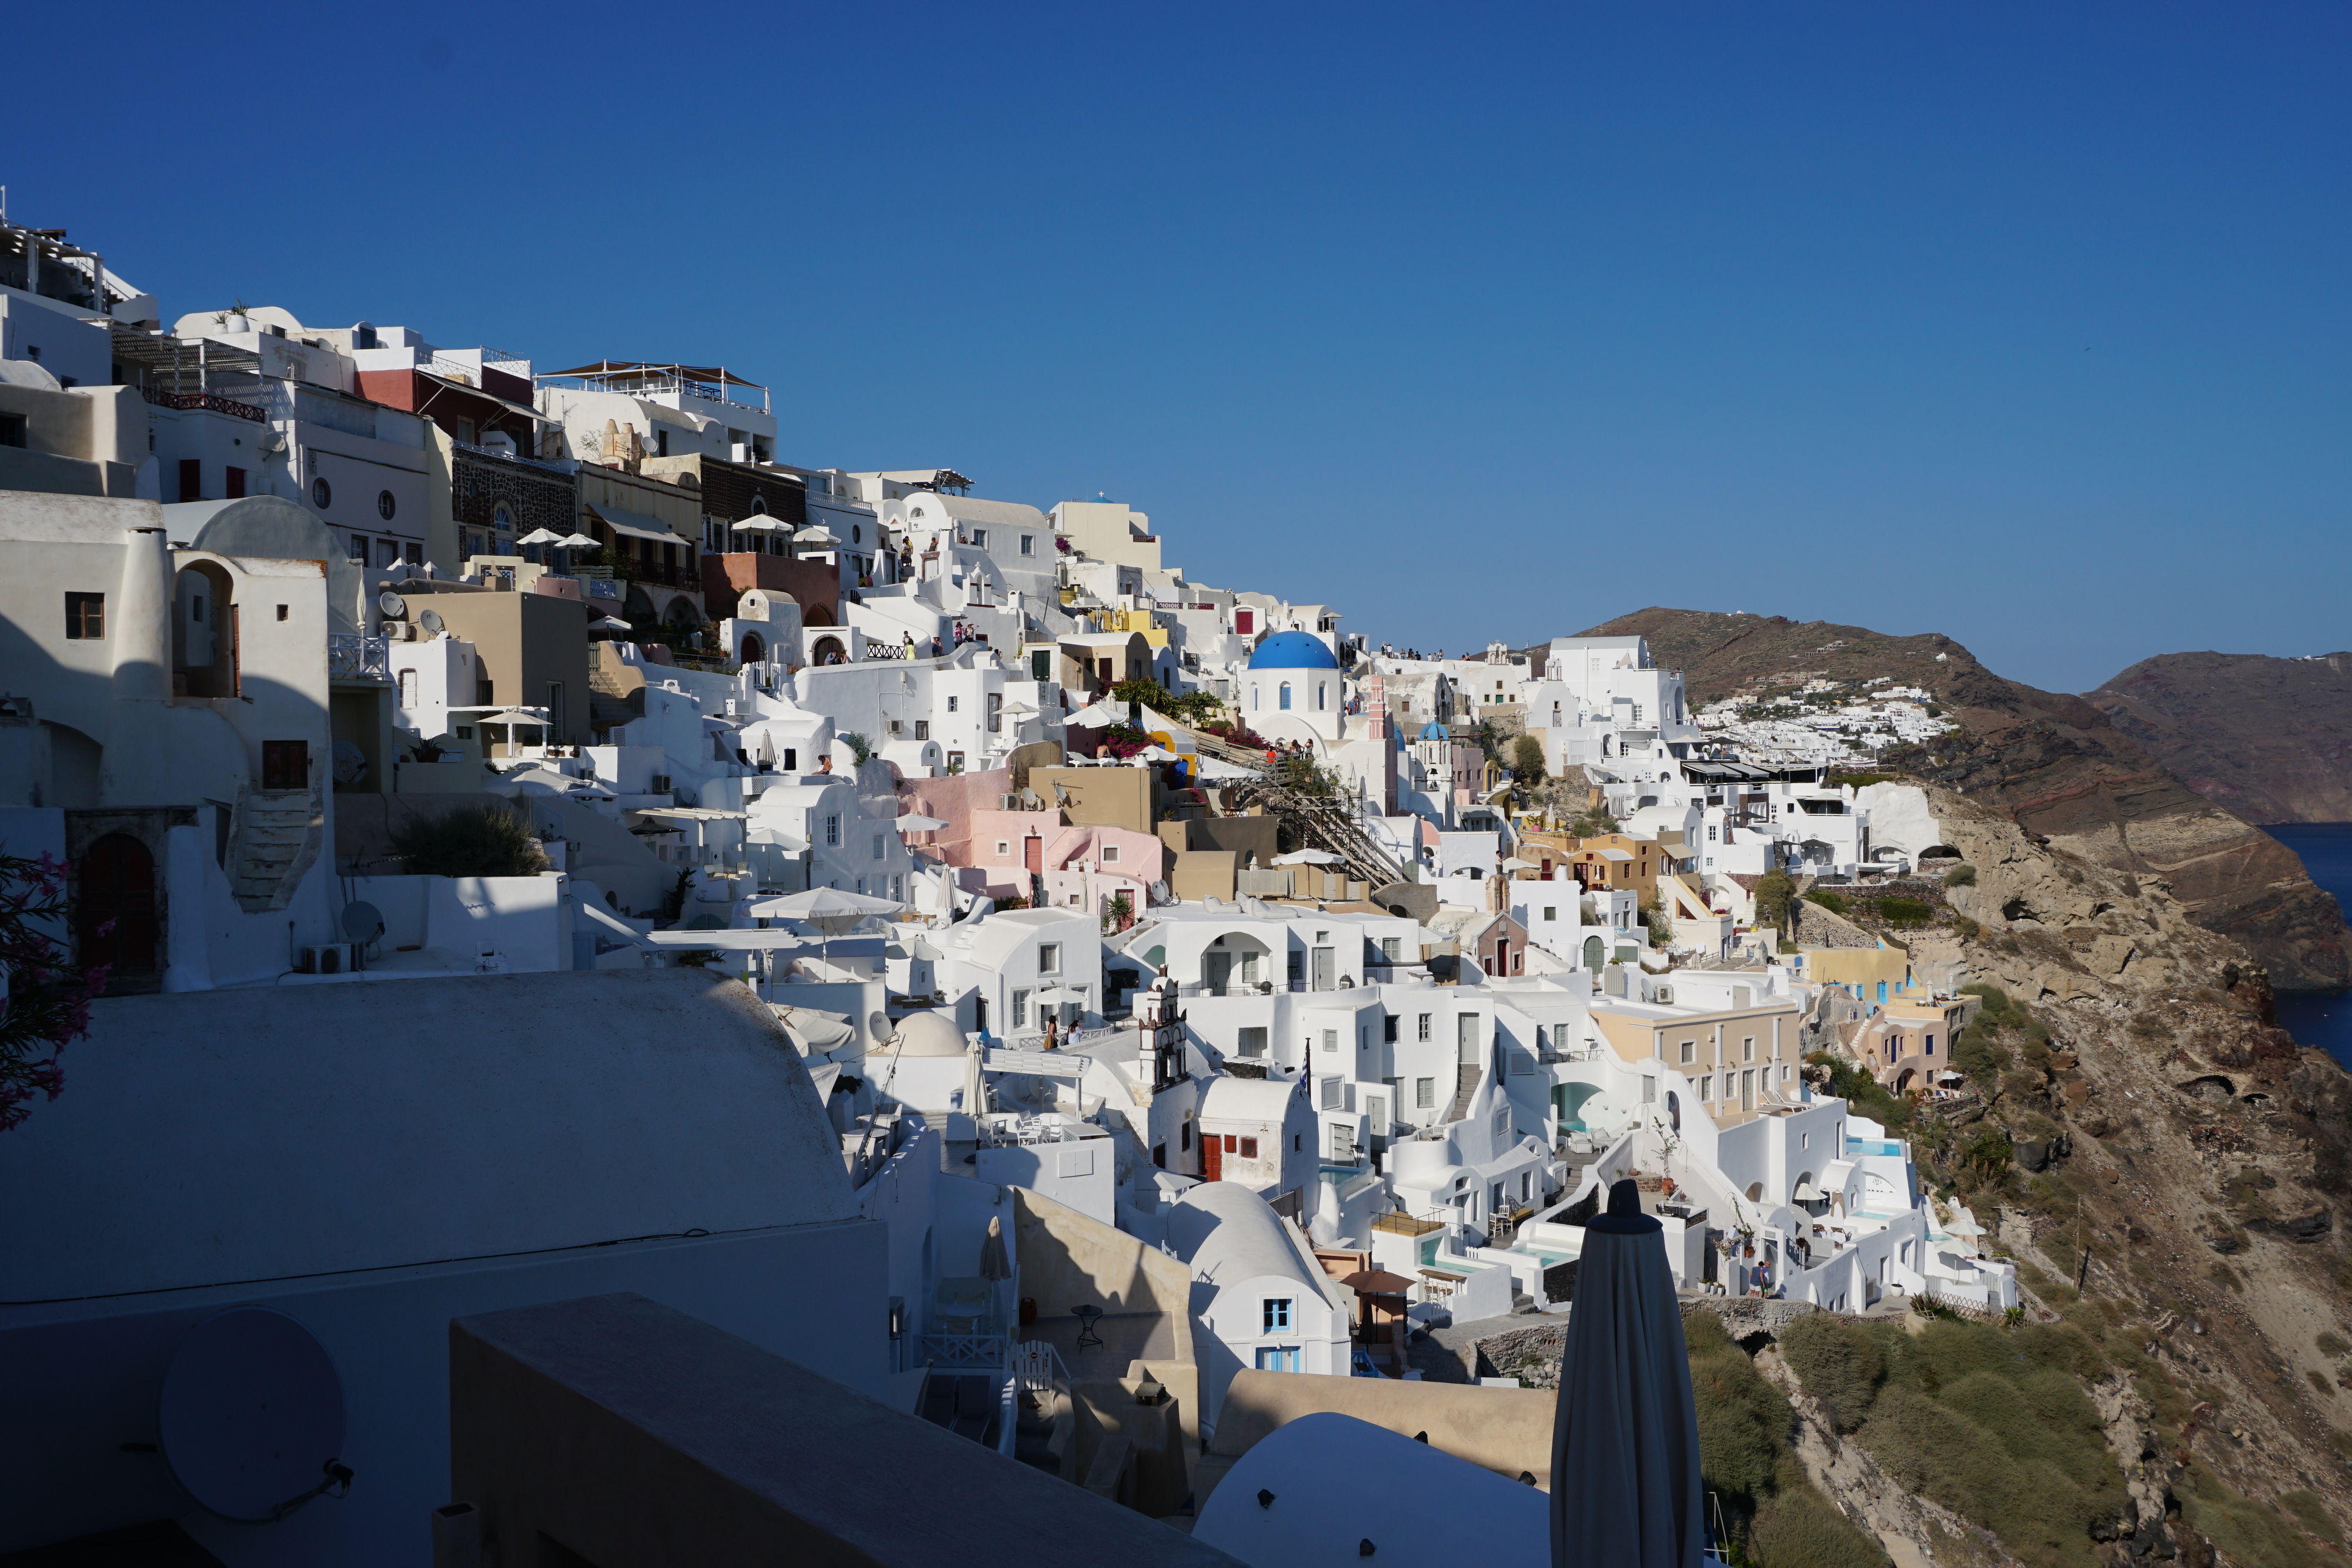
<point>2322,1019</point>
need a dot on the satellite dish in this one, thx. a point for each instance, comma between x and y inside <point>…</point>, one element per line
<point>393,605</point>
<point>363,922</point>
<point>432,623</point>
<point>880,1024</point>
<point>252,1415</point>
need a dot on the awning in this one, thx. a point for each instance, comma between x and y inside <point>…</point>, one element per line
<point>1806,1193</point>
<point>633,525</point>
<point>514,408</point>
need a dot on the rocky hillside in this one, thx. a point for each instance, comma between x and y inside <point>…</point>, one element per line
<point>2170,1171</point>
<point>2269,740</point>
<point>2054,764</point>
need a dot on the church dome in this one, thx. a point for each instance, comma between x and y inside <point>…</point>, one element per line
<point>1433,731</point>
<point>928,1034</point>
<point>1292,650</point>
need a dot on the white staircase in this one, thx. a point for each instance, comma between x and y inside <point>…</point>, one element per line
<point>278,834</point>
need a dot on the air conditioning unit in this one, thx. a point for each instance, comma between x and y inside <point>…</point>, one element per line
<point>1665,994</point>
<point>399,631</point>
<point>659,786</point>
<point>326,959</point>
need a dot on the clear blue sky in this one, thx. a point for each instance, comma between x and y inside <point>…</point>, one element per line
<point>2024,323</point>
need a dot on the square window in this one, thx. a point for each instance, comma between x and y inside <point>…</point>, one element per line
<point>1049,958</point>
<point>1276,1314</point>
<point>952,704</point>
<point>1689,1052</point>
<point>1424,1094</point>
<point>1111,854</point>
<point>1003,849</point>
<point>1388,1029</point>
<point>85,617</point>
<point>1249,1148</point>
<point>1424,1027</point>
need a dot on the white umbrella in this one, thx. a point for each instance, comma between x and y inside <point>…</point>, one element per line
<point>1964,1227</point>
<point>1307,857</point>
<point>1099,716</point>
<point>540,536</point>
<point>1624,1443</point>
<point>818,535</point>
<point>579,541</point>
<point>610,623</point>
<point>763,525</point>
<point>828,909</point>
<point>912,823</point>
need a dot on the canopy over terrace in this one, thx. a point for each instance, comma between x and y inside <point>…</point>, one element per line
<point>709,382</point>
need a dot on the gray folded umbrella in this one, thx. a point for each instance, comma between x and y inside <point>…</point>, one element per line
<point>1624,1443</point>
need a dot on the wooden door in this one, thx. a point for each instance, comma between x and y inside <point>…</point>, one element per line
<point>1033,853</point>
<point>114,905</point>
<point>1213,1161</point>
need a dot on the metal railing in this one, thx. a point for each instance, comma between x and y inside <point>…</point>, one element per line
<point>211,402</point>
<point>351,657</point>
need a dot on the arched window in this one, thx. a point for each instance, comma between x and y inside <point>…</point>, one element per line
<point>1320,689</point>
<point>1285,697</point>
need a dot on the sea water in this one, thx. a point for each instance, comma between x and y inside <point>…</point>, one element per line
<point>2322,1019</point>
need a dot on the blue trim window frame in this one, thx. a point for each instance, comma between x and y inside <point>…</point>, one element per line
<point>1276,1315</point>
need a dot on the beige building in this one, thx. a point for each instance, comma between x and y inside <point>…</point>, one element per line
<point>1110,531</point>
<point>1739,1060</point>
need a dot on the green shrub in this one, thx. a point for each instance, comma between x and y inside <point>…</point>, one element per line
<point>1829,901</point>
<point>1905,911</point>
<point>1527,759</point>
<point>1775,891</point>
<point>1838,1362</point>
<point>1743,1421</point>
<point>1980,1054</point>
<point>2306,1507</point>
<point>2239,1525</point>
<point>2332,1343</point>
<point>859,746</point>
<point>1748,1461</point>
<point>1994,1425</point>
<point>1961,875</point>
<point>472,841</point>
<point>1800,1529</point>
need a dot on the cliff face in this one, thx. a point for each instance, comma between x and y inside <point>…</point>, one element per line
<point>2182,1171</point>
<point>2269,740</point>
<point>2055,765</point>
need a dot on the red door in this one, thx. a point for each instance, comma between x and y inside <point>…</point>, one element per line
<point>1032,852</point>
<point>116,889</point>
<point>1212,1162</point>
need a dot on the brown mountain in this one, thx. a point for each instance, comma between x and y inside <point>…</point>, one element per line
<point>2266,739</point>
<point>2056,765</point>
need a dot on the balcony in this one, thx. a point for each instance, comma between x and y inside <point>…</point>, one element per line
<point>351,657</point>
<point>209,402</point>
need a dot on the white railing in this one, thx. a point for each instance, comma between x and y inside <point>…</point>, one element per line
<point>1008,1418</point>
<point>961,1351</point>
<point>1037,1367</point>
<point>353,657</point>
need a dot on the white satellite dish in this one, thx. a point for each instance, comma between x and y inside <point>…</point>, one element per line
<point>432,623</point>
<point>252,1415</point>
<point>393,605</point>
<point>363,922</point>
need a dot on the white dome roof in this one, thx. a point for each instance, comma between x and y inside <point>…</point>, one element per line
<point>929,1034</point>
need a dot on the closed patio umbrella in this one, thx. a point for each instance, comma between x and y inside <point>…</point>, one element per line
<point>1624,1457</point>
<point>993,1263</point>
